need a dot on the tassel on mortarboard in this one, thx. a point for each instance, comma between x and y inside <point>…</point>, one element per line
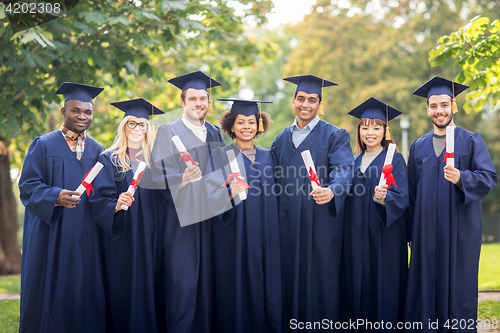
<point>388,136</point>
<point>261,122</point>
<point>210,107</point>
<point>454,106</point>
<point>320,109</point>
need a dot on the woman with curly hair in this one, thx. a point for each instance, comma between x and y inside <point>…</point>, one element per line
<point>129,242</point>
<point>246,235</point>
<point>375,249</point>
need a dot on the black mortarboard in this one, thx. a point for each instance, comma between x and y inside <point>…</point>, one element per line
<point>440,86</point>
<point>78,91</point>
<point>309,83</point>
<point>243,107</point>
<point>138,107</point>
<point>196,80</point>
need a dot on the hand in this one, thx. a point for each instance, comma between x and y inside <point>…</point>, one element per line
<point>190,175</point>
<point>236,188</point>
<point>126,199</point>
<point>381,192</point>
<point>451,174</point>
<point>65,200</point>
<point>322,195</point>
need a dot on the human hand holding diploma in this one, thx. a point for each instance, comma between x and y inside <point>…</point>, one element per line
<point>450,172</point>
<point>193,172</point>
<point>320,195</point>
<point>86,184</point>
<point>133,185</point>
<point>236,174</point>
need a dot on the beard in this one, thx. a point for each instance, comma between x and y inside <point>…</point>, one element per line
<point>441,126</point>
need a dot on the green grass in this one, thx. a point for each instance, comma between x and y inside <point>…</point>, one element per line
<point>9,316</point>
<point>489,267</point>
<point>10,284</point>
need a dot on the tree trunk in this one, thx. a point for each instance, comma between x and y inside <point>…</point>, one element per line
<point>10,252</point>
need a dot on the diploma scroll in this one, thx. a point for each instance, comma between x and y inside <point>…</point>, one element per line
<point>311,170</point>
<point>388,160</point>
<point>449,157</point>
<point>135,181</point>
<point>185,156</point>
<point>87,180</point>
<point>233,164</point>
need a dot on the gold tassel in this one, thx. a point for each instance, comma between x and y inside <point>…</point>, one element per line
<point>210,107</point>
<point>388,136</point>
<point>320,109</point>
<point>261,124</point>
<point>454,107</point>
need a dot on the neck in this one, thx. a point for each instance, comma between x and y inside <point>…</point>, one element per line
<point>134,145</point>
<point>373,149</point>
<point>442,131</point>
<point>244,144</point>
<point>302,123</point>
<point>195,122</point>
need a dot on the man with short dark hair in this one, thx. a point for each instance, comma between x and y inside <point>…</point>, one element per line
<point>310,234</point>
<point>61,278</point>
<point>445,216</point>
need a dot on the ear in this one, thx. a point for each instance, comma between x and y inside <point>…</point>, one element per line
<point>63,112</point>
<point>182,103</point>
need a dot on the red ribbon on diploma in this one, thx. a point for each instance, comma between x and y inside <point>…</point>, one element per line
<point>448,155</point>
<point>134,182</point>
<point>88,187</point>
<point>237,176</point>
<point>314,177</point>
<point>389,178</point>
<point>186,157</point>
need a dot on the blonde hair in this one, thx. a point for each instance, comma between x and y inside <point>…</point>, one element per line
<point>118,149</point>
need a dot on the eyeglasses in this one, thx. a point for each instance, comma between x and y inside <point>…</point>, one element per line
<point>132,124</point>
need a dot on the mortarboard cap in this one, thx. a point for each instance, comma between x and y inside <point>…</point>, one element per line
<point>196,80</point>
<point>78,91</point>
<point>309,83</point>
<point>441,86</point>
<point>138,107</point>
<point>243,107</point>
<point>375,109</point>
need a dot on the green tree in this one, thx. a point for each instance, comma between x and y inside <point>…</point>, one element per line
<point>129,47</point>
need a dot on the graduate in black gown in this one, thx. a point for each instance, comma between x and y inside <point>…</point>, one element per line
<point>375,237</point>
<point>129,241</point>
<point>185,261</point>
<point>246,235</point>
<point>445,212</point>
<point>61,277</point>
<point>310,233</point>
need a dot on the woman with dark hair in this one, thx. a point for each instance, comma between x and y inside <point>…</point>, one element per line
<point>246,235</point>
<point>375,249</point>
<point>129,239</point>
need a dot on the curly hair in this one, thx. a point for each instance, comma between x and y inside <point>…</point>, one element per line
<point>227,121</point>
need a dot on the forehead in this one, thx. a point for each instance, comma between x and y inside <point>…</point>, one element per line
<point>438,99</point>
<point>74,103</point>
<point>306,95</point>
<point>246,118</point>
<point>137,120</point>
<point>196,93</point>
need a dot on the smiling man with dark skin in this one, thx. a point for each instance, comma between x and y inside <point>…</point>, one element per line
<point>61,278</point>
<point>445,216</point>
<point>310,235</point>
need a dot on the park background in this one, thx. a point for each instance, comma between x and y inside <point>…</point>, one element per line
<point>371,48</point>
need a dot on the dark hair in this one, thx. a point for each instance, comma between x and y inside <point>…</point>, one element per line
<point>295,96</point>
<point>227,121</point>
<point>372,121</point>
<point>451,99</point>
<point>183,95</point>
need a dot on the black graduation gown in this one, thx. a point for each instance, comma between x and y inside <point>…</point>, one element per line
<point>375,248</point>
<point>446,231</point>
<point>310,234</point>
<point>61,277</point>
<point>185,290</point>
<point>246,246</point>
<point>128,249</point>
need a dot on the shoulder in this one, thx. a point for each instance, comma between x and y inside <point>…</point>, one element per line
<point>93,142</point>
<point>332,129</point>
<point>422,139</point>
<point>283,133</point>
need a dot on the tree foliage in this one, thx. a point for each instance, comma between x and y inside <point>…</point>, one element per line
<point>475,48</point>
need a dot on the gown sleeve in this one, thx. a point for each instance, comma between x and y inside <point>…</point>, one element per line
<point>37,196</point>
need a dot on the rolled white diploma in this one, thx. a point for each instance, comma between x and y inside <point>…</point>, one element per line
<point>450,144</point>
<point>306,156</point>
<point>233,164</point>
<point>182,149</point>
<point>388,160</point>
<point>90,177</point>
<point>135,180</point>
